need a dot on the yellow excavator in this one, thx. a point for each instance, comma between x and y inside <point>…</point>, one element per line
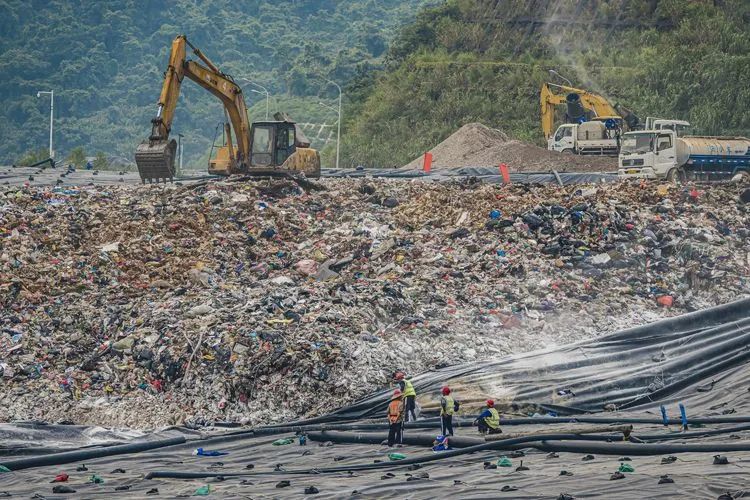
<point>266,148</point>
<point>582,105</point>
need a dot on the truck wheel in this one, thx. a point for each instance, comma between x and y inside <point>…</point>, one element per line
<point>567,151</point>
<point>676,175</point>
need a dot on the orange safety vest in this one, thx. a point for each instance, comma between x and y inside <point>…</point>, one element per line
<point>395,411</point>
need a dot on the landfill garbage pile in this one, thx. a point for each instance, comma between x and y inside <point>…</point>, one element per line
<point>258,302</point>
<point>476,145</point>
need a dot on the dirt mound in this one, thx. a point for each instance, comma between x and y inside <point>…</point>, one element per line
<point>475,145</point>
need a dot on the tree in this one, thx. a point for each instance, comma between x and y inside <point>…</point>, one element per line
<point>101,162</point>
<point>33,156</point>
<point>77,156</point>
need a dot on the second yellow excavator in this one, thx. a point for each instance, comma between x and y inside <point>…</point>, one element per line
<point>581,105</point>
<point>268,148</point>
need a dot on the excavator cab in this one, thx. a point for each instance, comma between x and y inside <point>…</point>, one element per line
<point>276,148</point>
<point>271,143</point>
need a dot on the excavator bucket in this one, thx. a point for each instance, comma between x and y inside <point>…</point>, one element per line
<point>155,160</point>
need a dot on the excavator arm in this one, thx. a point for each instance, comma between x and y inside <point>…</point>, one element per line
<point>553,95</point>
<point>155,157</point>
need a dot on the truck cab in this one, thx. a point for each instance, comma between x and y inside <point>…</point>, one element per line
<point>680,127</point>
<point>648,154</point>
<point>563,141</point>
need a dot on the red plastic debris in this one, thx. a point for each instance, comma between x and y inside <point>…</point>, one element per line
<point>665,300</point>
<point>60,478</point>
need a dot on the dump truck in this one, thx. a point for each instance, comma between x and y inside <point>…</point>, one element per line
<point>588,138</point>
<point>663,154</point>
<point>267,149</point>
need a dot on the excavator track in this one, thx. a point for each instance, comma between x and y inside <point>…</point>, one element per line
<point>155,160</point>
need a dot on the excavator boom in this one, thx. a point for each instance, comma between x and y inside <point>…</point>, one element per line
<point>155,157</point>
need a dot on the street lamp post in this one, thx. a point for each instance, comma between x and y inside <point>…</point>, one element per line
<point>265,90</point>
<point>555,73</point>
<point>51,116</point>
<point>338,132</point>
<point>321,103</point>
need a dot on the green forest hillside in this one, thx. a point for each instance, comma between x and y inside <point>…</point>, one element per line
<point>105,60</point>
<point>484,60</point>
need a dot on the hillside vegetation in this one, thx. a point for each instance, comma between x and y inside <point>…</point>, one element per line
<point>484,60</point>
<point>105,61</point>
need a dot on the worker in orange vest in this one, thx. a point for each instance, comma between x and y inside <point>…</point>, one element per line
<point>395,418</point>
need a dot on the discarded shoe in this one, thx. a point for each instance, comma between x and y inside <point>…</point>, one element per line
<point>668,460</point>
<point>62,488</point>
<point>588,457</point>
<point>311,490</point>
<point>283,484</point>
<point>508,488</point>
<point>665,479</point>
<point>566,473</point>
<point>617,475</point>
<point>720,460</point>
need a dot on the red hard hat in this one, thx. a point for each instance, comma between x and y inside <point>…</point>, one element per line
<point>490,403</point>
<point>446,391</point>
<point>399,376</point>
<point>396,393</point>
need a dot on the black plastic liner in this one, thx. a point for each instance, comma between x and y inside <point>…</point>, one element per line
<point>686,358</point>
<point>486,174</point>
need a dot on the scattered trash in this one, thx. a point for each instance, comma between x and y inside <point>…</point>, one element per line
<point>156,307</point>
<point>626,468</point>
<point>209,453</point>
<point>61,488</point>
<point>504,462</point>
<point>203,491</point>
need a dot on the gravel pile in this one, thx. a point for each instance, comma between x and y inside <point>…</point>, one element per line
<point>475,145</point>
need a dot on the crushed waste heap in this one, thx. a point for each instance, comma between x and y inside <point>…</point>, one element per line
<point>476,145</point>
<point>260,302</point>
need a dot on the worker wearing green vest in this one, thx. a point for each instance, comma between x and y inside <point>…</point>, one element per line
<point>409,394</point>
<point>488,421</point>
<point>448,406</point>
